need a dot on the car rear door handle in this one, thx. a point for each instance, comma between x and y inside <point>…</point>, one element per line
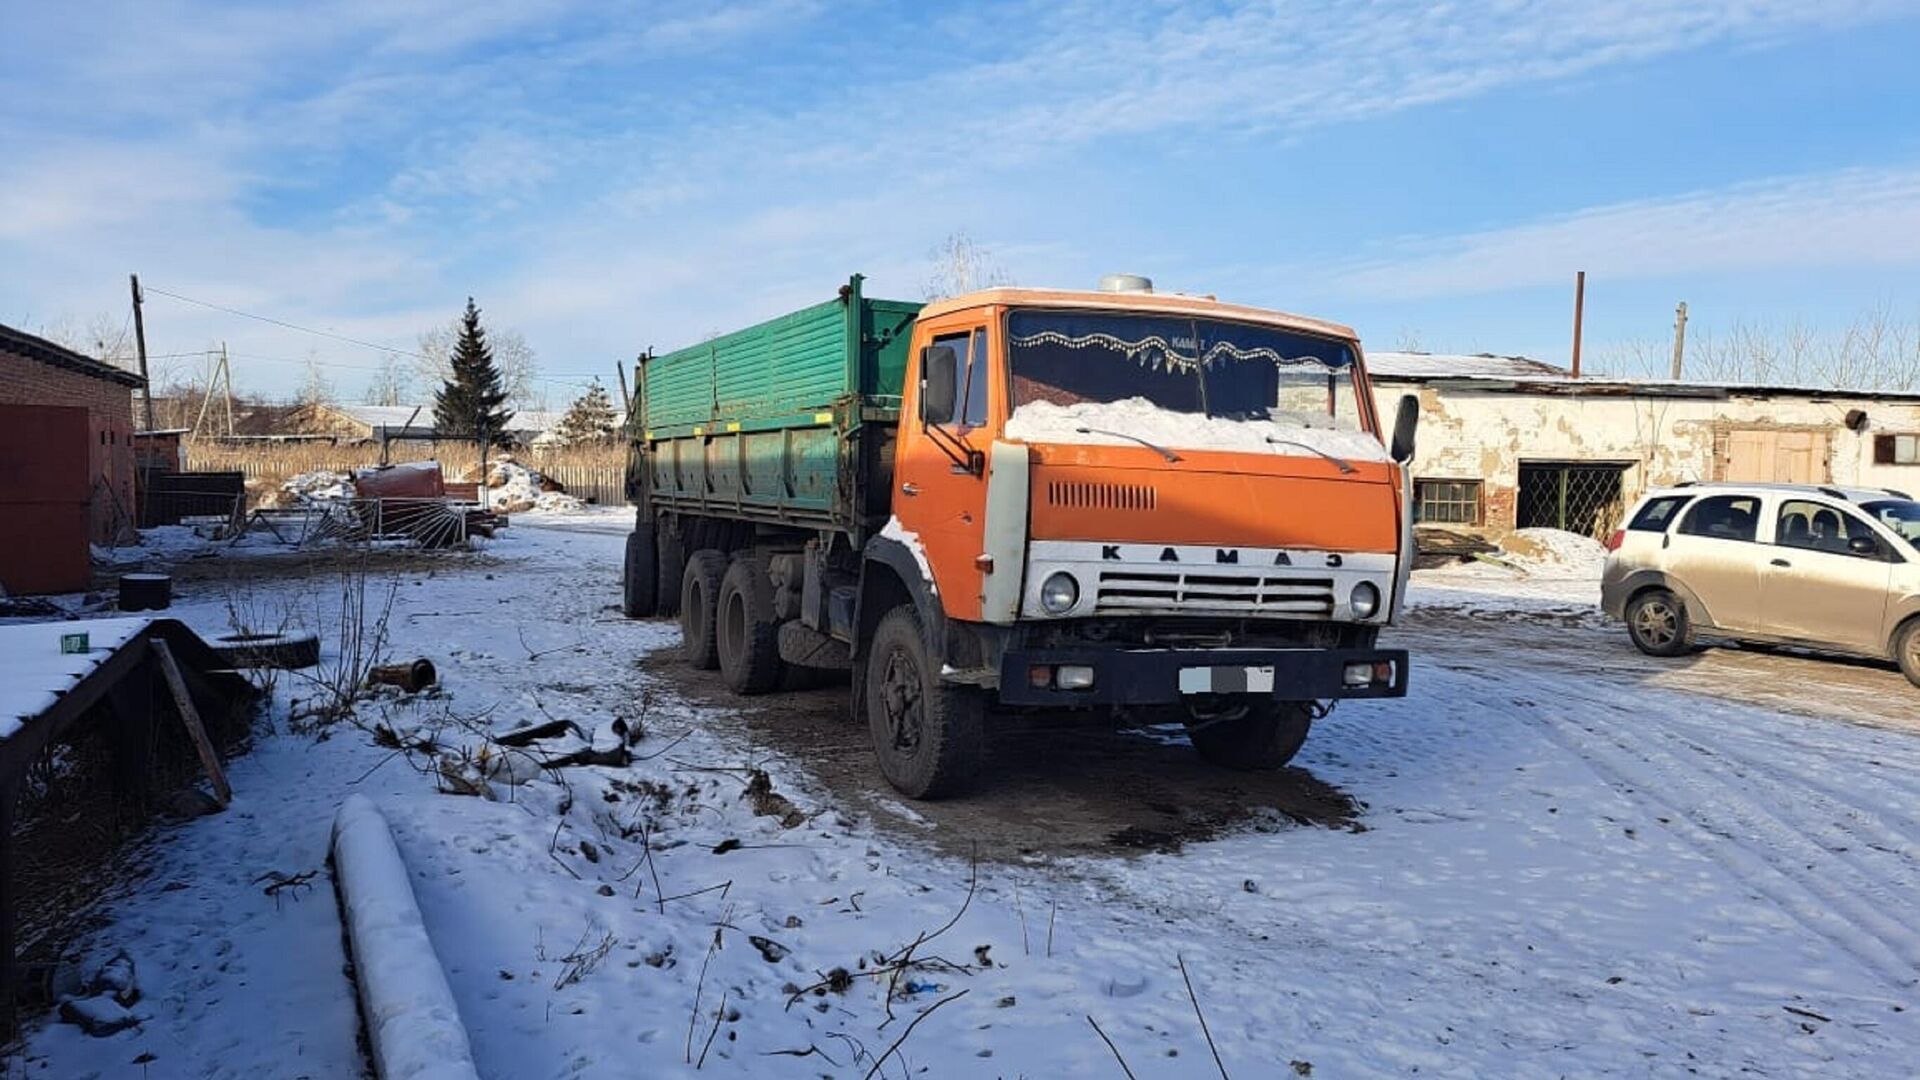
<point>909,489</point>
<point>1781,562</point>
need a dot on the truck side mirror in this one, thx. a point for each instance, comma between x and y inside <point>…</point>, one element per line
<point>1405,423</point>
<point>938,365</point>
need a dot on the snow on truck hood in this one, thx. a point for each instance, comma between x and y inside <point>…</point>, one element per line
<point>1045,422</point>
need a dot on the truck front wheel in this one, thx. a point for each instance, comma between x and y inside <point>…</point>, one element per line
<point>930,737</point>
<point>699,599</point>
<point>1250,735</point>
<point>639,588</point>
<point>747,633</point>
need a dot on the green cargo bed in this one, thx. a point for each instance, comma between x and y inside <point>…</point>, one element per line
<point>770,423</point>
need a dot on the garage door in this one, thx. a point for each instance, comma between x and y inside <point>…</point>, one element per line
<point>1760,456</point>
<point>44,499</point>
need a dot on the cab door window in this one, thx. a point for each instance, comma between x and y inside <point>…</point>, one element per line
<point>1816,526</point>
<point>969,376</point>
<point>1723,517</point>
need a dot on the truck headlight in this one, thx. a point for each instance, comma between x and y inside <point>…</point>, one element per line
<point>1059,593</point>
<point>1365,600</point>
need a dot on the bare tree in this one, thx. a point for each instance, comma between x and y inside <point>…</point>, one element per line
<point>101,335</point>
<point>1876,351</point>
<point>391,383</point>
<point>315,387</point>
<point>960,266</point>
<point>519,368</point>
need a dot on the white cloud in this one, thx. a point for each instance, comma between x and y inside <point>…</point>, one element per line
<point>1850,218</point>
<point>530,154</point>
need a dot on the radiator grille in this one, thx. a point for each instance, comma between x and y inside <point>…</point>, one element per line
<point>1253,593</point>
<point>1091,496</point>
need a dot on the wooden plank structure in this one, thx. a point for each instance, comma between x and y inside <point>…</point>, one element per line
<point>152,667</point>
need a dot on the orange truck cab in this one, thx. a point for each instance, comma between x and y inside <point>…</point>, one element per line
<point>1163,507</point>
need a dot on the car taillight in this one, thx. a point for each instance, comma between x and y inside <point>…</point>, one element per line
<point>1614,541</point>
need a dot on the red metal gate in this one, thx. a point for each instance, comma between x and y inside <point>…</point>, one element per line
<point>45,498</point>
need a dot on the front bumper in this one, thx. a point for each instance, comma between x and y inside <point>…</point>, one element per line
<point>1145,676</point>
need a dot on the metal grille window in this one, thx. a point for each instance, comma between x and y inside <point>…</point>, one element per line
<point>1578,497</point>
<point>1446,502</point>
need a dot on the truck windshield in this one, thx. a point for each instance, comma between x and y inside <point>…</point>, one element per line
<point>1900,515</point>
<point>1188,381</point>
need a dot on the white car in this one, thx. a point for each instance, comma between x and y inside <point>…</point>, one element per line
<point>1830,568</point>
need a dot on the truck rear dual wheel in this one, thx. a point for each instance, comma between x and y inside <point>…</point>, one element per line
<point>699,602</point>
<point>1250,735</point>
<point>639,578</point>
<point>747,633</point>
<point>671,562</point>
<point>929,737</point>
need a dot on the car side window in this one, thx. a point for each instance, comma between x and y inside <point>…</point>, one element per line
<point>1658,513</point>
<point>1816,526</point>
<point>1723,517</point>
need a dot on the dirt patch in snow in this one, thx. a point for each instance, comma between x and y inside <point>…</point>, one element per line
<point>1051,788</point>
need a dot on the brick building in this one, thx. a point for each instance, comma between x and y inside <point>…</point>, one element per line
<point>43,387</point>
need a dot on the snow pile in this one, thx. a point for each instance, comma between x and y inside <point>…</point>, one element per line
<point>512,488</point>
<point>558,502</point>
<point>893,530</point>
<point>1099,421</point>
<point>321,485</point>
<point>1555,552</point>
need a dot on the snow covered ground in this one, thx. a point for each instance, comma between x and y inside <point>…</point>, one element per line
<point>1566,862</point>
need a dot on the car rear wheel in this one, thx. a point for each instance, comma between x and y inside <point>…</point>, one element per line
<point>1250,735</point>
<point>1658,624</point>
<point>1907,651</point>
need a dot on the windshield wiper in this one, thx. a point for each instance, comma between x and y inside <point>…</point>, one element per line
<point>1345,466</point>
<point>1161,450</point>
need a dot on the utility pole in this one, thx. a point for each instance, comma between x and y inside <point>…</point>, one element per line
<point>1579,305</point>
<point>140,340</point>
<point>1679,338</point>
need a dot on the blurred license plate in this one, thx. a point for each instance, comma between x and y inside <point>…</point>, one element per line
<point>1226,680</point>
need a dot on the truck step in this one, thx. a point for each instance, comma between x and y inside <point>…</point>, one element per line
<point>802,645</point>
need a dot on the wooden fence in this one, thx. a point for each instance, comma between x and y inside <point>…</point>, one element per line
<point>600,482</point>
<point>605,485</point>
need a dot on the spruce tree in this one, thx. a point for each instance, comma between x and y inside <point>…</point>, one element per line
<point>468,404</point>
<point>589,419</point>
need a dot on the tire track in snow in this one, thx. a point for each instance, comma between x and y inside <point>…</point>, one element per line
<point>1869,819</point>
<point>1806,882</point>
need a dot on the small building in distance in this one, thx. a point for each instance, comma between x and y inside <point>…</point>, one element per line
<point>66,461</point>
<point>1508,442</point>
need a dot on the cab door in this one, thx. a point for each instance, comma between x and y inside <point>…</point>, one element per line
<point>940,483</point>
<point>1827,577</point>
<point>1714,554</point>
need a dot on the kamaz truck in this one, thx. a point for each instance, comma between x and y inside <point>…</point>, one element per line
<point>1145,506</point>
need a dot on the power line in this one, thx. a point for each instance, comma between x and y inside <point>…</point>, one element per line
<point>288,325</point>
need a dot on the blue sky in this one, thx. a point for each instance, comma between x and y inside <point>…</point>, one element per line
<point>607,177</point>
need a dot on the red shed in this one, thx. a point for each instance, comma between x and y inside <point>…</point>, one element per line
<point>66,461</point>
